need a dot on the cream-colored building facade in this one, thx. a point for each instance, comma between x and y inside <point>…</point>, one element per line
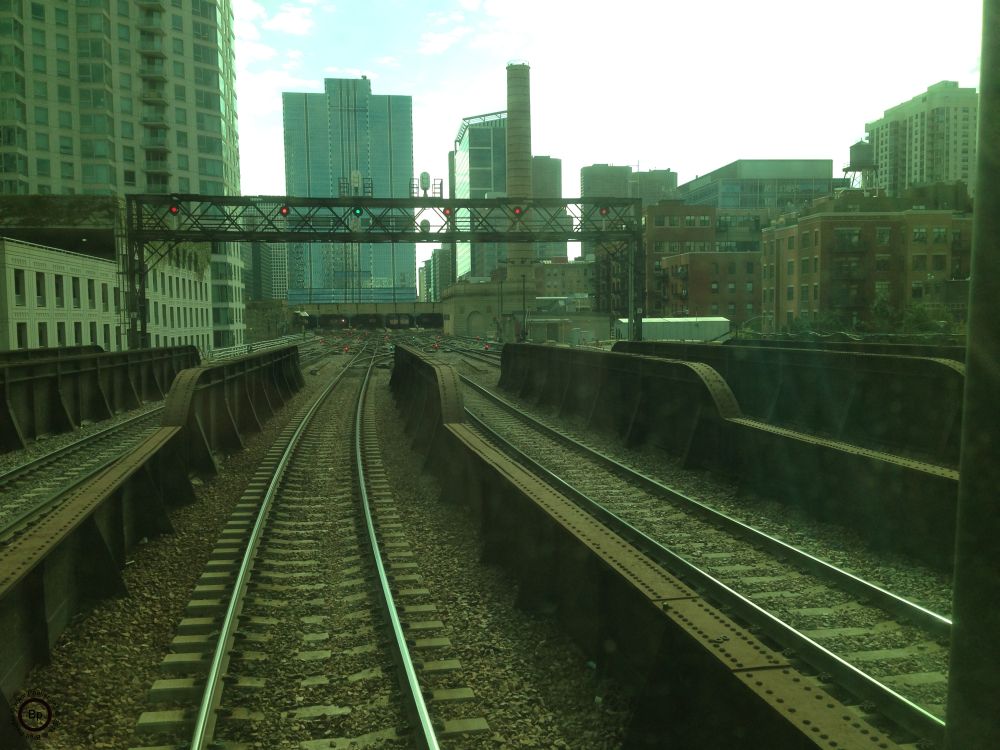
<point>51,297</point>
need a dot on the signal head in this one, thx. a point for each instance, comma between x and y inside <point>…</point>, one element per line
<point>174,208</point>
<point>357,210</point>
<point>283,210</point>
<point>603,211</point>
<point>518,210</point>
<point>446,210</point>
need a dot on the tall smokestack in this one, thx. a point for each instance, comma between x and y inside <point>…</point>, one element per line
<point>519,254</point>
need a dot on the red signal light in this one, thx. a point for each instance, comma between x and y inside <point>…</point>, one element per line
<point>446,210</point>
<point>283,210</point>
<point>174,209</point>
<point>603,211</point>
<point>518,210</point>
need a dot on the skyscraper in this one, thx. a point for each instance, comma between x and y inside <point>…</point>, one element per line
<point>546,182</point>
<point>124,97</point>
<point>931,138</point>
<point>480,172</point>
<point>343,142</point>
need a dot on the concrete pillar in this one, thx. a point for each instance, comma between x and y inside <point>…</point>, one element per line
<point>974,681</point>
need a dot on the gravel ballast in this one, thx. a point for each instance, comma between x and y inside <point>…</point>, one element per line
<point>535,688</point>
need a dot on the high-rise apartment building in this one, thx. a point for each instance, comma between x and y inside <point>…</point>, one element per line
<point>124,96</point>
<point>480,171</point>
<point>347,141</point>
<point>929,139</point>
<point>546,182</point>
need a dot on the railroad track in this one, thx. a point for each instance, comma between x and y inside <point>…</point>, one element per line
<point>890,653</point>
<point>27,491</point>
<point>302,629</point>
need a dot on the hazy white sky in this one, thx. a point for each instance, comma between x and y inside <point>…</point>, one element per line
<point>689,86</point>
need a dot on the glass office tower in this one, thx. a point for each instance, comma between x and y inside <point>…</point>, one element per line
<point>343,142</point>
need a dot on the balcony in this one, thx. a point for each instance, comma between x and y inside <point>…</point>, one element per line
<point>157,116</point>
<point>152,48</point>
<point>156,165</point>
<point>155,143</point>
<point>153,71</point>
<point>848,274</point>
<point>151,23</point>
<point>858,247</point>
<point>154,94</point>
<point>151,5</point>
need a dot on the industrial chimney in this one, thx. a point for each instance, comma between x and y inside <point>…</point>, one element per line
<point>519,254</point>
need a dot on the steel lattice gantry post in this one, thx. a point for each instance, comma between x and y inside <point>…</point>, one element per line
<point>172,219</point>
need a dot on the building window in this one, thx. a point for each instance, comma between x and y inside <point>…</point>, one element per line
<point>750,266</point>
<point>938,262</point>
<point>19,297</point>
<point>75,291</point>
<point>919,263</point>
<point>805,293</point>
<point>39,289</point>
<point>673,221</point>
<point>104,297</point>
<point>731,309</point>
<point>790,293</point>
<point>917,290</point>
<point>91,301</point>
<point>93,333</point>
<point>78,333</point>
<point>731,287</point>
<point>940,234</point>
<point>22,335</point>
<point>804,240</point>
<point>748,287</point>
<point>60,292</point>
<point>43,334</point>
<point>882,262</point>
<point>920,234</point>
<point>714,287</point>
<point>714,308</point>
<point>659,220</point>
<point>791,242</point>
<point>790,269</point>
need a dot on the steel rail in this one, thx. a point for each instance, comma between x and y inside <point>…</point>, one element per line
<point>205,719</point>
<point>900,709</point>
<point>18,471</point>
<point>417,707</point>
<point>23,517</point>
<point>935,623</point>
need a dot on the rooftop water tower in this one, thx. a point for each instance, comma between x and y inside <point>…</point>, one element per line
<point>862,170</point>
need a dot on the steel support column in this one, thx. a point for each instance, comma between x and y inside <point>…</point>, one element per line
<point>974,683</point>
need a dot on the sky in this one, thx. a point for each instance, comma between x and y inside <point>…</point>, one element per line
<point>656,84</point>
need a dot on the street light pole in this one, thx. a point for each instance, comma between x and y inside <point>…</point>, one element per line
<point>524,309</point>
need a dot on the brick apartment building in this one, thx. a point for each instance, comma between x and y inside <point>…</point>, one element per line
<point>844,256</point>
<point>702,261</point>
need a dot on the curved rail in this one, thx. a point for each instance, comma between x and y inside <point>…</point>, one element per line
<point>413,696</point>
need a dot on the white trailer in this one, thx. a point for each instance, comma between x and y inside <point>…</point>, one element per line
<point>678,329</point>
